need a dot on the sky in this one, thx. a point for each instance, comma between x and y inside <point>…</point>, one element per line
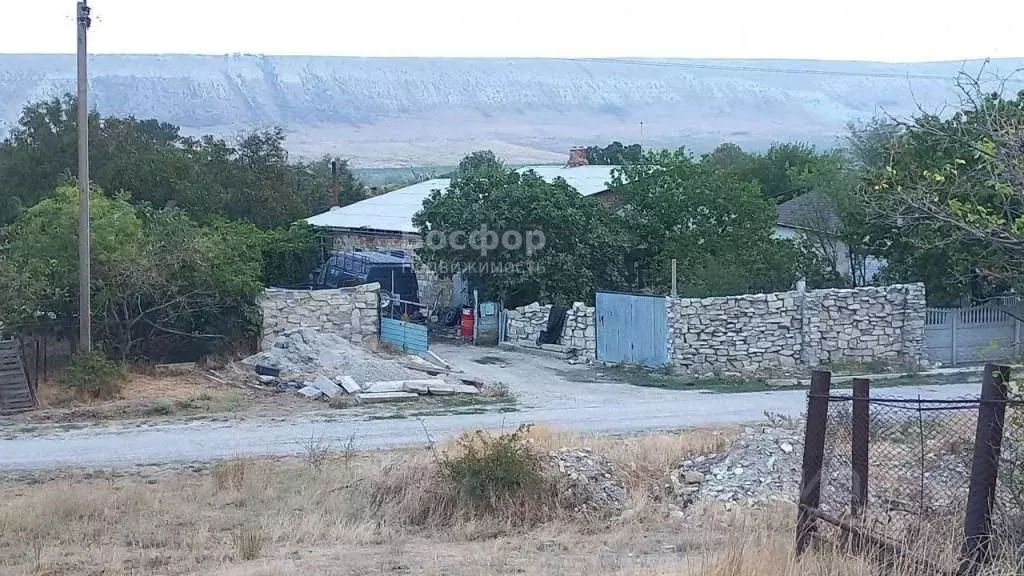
<point>880,30</point>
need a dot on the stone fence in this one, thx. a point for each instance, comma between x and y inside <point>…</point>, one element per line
<point>765,333</point>
<point>526,323</point>
<point>349,312</point>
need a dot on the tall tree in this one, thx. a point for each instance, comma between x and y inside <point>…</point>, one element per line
<point>516,237</point>
<point>719,229</point>
<point>952,196</point>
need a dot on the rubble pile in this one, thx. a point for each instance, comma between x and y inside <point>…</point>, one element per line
<point>592,478</point>
<point>762,464</point>
<point>321,365</point>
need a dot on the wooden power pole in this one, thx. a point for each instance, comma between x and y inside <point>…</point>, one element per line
<point>84,271</point>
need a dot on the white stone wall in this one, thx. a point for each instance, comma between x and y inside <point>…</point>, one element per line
<point>527,322</point>
<point>349,312</point>
<point>768,333</point>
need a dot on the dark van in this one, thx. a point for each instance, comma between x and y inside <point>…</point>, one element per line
<point>393,270</point>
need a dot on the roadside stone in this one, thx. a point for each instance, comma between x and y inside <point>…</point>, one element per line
<point>379,397</point>
<point>693,477</point>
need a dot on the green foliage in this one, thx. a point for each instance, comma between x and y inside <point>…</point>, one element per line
<point>718,228</point>
<point>163,287</point>
<point>92,374</point>
<point>949,199</point>
<point>250,179</point>
<point>486,197</point>
<point>290,254</point>
<point>614,154</point>
<point>774,170</point>
<point>488,471</point>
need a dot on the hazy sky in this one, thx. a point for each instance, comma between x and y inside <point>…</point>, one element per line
<point>887,30</point>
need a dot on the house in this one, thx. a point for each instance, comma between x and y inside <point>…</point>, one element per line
<point>384,222</point>
<point>813,216</point>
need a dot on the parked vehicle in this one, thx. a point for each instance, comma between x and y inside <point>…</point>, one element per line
<point>393,270</point>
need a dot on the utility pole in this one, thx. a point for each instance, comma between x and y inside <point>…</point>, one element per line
<point>84,268</point>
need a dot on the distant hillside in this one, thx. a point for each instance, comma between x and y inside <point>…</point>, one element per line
<point>416,112</point>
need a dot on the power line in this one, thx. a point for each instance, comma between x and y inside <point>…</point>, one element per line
<point>768,70</point>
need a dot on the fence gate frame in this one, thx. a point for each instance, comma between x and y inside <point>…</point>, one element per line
<point>631,328</point>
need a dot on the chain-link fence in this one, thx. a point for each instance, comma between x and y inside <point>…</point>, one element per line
<point>906,469</point>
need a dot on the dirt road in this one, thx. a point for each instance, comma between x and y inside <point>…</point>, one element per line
<point>549,391</point>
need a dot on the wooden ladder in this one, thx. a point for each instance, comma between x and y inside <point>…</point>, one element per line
<point>16,395</point>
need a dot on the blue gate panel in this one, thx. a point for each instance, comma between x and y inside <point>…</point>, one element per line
<point>405,335</point>
<point>632,329</point>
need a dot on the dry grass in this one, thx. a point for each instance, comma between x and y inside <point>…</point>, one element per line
<point>388,513</point>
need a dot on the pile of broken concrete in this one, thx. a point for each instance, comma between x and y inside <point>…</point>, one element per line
<point>324,365</point>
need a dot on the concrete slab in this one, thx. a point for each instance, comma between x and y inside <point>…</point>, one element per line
<point>328,387</point>
<point>380,397</point>
<point>421,386</point>
<point>311,392</point>
<point>350,385</point>
<point>385,386</point>
<point>445,389</point>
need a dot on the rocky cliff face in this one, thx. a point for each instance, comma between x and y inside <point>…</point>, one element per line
<point>403,111</point>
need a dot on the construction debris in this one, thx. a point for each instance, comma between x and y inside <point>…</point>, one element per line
<point>326,365</point>
<point>377,397</point>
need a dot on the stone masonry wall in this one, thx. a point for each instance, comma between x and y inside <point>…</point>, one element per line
<point>526,323</point>
<point>349,312</point>
<point>767,333</point>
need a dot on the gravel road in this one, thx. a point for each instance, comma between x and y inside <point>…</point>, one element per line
<point>549,391</point>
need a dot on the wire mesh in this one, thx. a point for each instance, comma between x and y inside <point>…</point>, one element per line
<point>920,455</point>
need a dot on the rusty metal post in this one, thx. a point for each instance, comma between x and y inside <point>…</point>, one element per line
<point>988,440</point>
<point>814,456</point>
<point>859,448</point>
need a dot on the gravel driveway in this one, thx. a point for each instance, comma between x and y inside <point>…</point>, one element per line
<point>549,391</point>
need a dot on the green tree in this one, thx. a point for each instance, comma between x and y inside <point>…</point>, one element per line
<point>517,238</point>
<point>718,228</point>
<point>162,286</point>
<point>614,154</point>
<point>951,196</point>
<point>251,179</point>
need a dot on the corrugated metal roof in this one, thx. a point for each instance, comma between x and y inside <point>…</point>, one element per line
<point>393,212</point>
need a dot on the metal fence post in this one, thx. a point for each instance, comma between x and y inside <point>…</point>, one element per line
<point>955,316</point>
<point>814,456</point>
<point>988,441</point>
<point>859,448</point>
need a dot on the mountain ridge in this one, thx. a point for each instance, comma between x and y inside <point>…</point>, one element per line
<point>423,111</point>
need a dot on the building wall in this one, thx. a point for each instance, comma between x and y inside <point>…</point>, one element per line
<point>349,312</point>
<point>765,333</point>
<point>527,322</point>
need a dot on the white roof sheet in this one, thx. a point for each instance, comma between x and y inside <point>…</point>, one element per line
<point>587,180</point>
<point>393,212</point>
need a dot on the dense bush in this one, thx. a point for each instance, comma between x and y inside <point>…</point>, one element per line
<point>488,471</point>
<point>164,288</point>
<point>92,374</point>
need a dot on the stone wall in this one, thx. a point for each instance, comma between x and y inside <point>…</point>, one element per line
<point>349,312</point>
<point>769,333</point>
<point>526,323</point>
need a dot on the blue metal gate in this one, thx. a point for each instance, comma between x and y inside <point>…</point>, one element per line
<point>405,335</point>
<point>632,329</point>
